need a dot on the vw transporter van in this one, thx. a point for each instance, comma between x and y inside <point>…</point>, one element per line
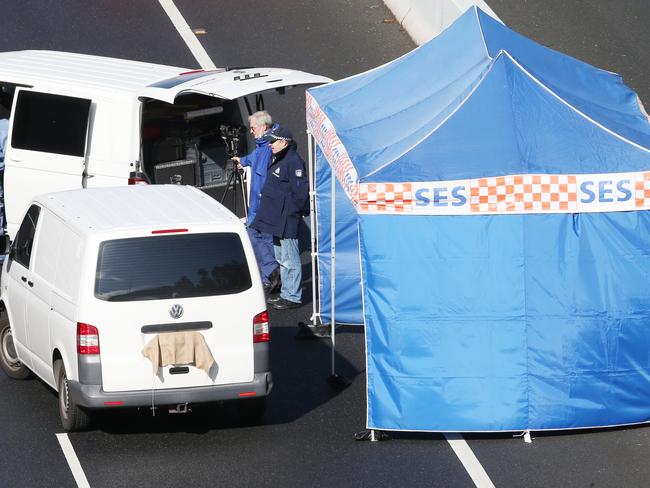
<point>135,296</point>
<point>81,121</point>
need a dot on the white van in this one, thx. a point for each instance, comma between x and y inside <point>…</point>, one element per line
<point>97,278</point>
<point>80,121</point>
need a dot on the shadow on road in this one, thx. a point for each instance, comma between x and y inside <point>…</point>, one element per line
<point>300,370</point>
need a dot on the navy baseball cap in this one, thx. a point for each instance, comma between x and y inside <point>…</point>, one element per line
<point>278,133</point>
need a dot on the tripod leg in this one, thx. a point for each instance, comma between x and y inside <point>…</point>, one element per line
<point>229,184</point>
<point>244,199</point>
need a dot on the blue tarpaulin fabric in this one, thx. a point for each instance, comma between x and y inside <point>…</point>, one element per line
<point>490,322</point>
<point>348,278</point>
<point>507,322</point>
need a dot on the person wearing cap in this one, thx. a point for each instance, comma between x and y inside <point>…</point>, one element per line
<point>259,160</point>
<point>284,200</point>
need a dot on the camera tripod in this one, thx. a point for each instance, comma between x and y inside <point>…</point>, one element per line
<point>235,181</point>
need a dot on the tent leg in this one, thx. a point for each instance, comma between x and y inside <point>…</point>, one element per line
<point>372,435</point>
<point>335,380</point>
<point>312,222</point>
<point>338,382</point>
<point>312,330</point>
<point>315,328</point>
<point>527,438</point>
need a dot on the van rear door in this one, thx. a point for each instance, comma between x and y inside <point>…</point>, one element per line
<point>46,148</point>
<point>229,85</point>
<point>148,286</point>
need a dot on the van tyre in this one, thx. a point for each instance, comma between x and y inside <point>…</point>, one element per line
<point>73,417</point>
<point>9,361</point>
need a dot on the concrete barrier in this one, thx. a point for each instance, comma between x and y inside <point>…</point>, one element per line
<point>424,19</point>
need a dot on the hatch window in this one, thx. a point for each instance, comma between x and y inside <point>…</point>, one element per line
<point>171,266</point>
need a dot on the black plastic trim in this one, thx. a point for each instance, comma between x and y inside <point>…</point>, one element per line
<point>261,357</point>
<point>174,327</point>
<point>90,368</point>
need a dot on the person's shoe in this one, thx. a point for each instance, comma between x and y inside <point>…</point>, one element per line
<point>273,300</point>
<point>274,280</point>
<point>283,304</point>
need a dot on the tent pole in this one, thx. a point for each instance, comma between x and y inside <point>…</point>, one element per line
<point>336,381</point>
<point>315,328</point>
<point>333,268</point>
<point>312,224</point>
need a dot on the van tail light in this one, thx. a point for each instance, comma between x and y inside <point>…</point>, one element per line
<point>261,327</point>
<point>138,178</point>
<point>87,339</point>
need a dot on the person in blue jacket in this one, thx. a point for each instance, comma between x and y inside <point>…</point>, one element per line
<point>4,131</point>
<point>284,200</point>
<point>258,160</point>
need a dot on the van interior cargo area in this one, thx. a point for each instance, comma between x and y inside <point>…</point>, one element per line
<point>191,142</point>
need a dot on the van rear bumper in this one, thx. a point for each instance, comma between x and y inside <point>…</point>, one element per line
<point>92,396</point>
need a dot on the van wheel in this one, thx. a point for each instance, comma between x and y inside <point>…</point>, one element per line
<point>8,357</point>
<point>73,417</point>
<point>252,410</point>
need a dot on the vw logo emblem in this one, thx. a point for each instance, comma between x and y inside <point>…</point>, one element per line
<point>176,311</point>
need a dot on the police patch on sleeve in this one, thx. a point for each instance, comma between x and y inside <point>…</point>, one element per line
<point>298,173</point>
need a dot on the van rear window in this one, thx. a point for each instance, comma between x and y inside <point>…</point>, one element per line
<point>173,266</point>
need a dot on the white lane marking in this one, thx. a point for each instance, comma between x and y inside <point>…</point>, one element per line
<point>471,464</point>
<point>73,461</point>
<point>186,33</point>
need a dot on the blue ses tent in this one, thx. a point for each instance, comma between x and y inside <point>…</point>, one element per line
<point>491,232</point>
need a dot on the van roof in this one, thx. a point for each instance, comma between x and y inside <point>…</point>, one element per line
<point>120,208</point>
<point>97,72</point>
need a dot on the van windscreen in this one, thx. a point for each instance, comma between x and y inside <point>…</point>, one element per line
<point>175,266</point>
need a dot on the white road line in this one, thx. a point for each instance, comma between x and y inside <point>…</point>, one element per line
<point>471,464</point>
<point>73,461</point>
<point>186,33</point>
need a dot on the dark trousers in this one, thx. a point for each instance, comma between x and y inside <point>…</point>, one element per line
<point>264,252</point>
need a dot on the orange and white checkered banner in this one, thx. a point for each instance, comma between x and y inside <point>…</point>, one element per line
<point>516,194</point>
<point>337,156</point>
<point>512,194</point>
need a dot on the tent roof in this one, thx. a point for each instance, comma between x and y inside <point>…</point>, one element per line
<point>482,100</point>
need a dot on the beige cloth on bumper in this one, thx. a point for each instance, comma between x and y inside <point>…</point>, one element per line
<point>178,348</point>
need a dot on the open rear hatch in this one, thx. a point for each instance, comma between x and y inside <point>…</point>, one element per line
<point>193,124</point>
<point>229,85</point>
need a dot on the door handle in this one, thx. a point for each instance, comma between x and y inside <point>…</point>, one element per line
<point>30,283</point>
<point>23,278</point>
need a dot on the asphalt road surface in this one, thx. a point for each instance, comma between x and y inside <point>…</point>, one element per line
<point>306,438</point>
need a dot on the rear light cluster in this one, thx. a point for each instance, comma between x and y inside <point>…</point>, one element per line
<point>137,178</point>
<point>87,339</point>
<point>261,327</point>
